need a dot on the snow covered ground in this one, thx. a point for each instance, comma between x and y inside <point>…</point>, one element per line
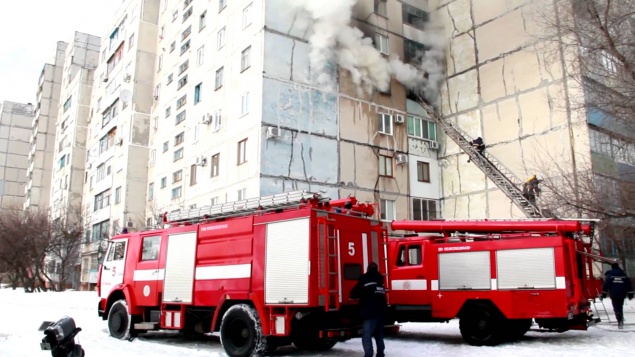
<point>23,313</point>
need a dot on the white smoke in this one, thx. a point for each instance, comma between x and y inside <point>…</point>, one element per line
<point>334,41</point>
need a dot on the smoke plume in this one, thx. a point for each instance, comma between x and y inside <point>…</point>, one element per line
<point>335,42</point>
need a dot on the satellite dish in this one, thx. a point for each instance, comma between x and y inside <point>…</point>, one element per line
<point>125,96</point>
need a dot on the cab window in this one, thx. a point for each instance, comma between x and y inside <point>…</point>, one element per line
<point>409,255</point>
<point>117,251</point>
<point>151,247</point>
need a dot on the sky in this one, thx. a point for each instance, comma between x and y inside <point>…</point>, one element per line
<point>29,32</point>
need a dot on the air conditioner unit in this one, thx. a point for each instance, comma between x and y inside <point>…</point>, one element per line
<point>207,119</point>
<point>273,132</point>
<point>127,78</point>
<point>433,145</point>
<point>201,160</point>
<point>156,97</point>
<point>400,119</point>
<point>130,224</point>
<point>105,79</point>
<point>402,159</point>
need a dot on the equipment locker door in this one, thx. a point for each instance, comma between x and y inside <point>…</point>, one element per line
<point>357,249</point>
<point>408,283</point>
<point>113,266</point>
<point>148,274</point>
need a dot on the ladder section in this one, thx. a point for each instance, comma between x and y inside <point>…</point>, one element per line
<point>329,285</point>
<point>504,179</point>
<point>249,206</point>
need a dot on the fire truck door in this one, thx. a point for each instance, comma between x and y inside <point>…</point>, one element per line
<point>113,266</point>
<point>356,251</point>
<point>147,273</point>
<point>408,283</point>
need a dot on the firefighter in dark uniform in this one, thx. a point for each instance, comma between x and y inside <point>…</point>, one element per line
<point>372,307</point>
<point>618,286</point>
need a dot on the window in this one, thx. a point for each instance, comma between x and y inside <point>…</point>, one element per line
<point>170,79</point>
<point>176,192</point>
<point>164,182</point>
<point>423,171</point>
<point>200,56</point>
<point>381,43</point>
<point>244,104</point>
<point>118,195</point>
<point>130,42</point>
<point>180,117</point>
<point>247,20</point>
<point>197,93</point>
<point>609,62</point>
<point>220,39</point>
<point>188,13</point>
<point>160,63</point>
<point>184,66</point>
<point>162,33</point>
<point>221,5</point>
<point>117,251</point>
<point>202,21</point>
<point>219,78</point>
<point>245,59</point>
<point>150,191</point>
<point>387,210</point>
<point>423,210</point>
<point>110,113</point>
<point>157,91</point>
<point>242,152</point>
<point>412,50</point>
<point>215,163</point>
<point>155,123</point>
<point>178,154</point>
<point>168,111</point>
<point>413,257</point>
<point>67,104</point>
<point>242,194</point>
<point>384,123</point>
<point>186,3</point>
<point>185,47</point>
<point>186,33</point>
<point>385,166</point>
<point>178,139</point>
<point>421,128</point>
<point>153,157</point>
<point>172,46</point>
<point>217,120</point>
<point>100,230</point>
<point>166,146</point>
<point>195,133</point>
<point>414,16</point>
<point>380,8</point>
<point>214,201</point>
<point>102,200</point>
<point>151,246</point>
<point>193,175</point>
<point>177,176</point>
<point>182,82</point>
<point>181,102</point>
<point>175,15</point>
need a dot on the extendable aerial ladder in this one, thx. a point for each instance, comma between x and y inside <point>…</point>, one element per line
<point>243,207</point>
<point>504,179</point>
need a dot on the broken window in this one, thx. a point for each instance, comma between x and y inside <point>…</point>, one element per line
<point>381,8</point>
<point>414,16</point>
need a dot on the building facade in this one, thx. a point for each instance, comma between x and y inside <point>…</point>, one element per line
<point>118,129</point>
<point>239,114</point>
<point>80,60</point>
<point>40,160</point>
<point>16,122</point>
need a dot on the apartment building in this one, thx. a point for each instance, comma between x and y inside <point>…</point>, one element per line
<point>15,145</point>
<point>238,114</point>
<point>118,128</point>
<point>40,159</point>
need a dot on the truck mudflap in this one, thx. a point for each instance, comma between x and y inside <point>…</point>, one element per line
<point>343,334</point>
<point>100,310</point>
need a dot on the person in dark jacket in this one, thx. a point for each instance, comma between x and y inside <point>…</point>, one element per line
<point>372,308</point>
<point>618,286</point>
<point>478,145</point>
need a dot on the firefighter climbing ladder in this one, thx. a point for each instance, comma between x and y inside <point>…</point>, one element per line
<point>493,169</point>
<point>243,207</point>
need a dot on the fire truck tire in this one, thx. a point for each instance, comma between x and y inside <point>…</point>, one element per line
<point>482,326</point>
<point>119,320</point>
<point>517,328</point>
<point>241,333</point>
<point>305,334</point>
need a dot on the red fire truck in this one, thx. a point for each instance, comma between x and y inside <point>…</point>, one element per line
<point>264,272</point>
<point>495,276</point>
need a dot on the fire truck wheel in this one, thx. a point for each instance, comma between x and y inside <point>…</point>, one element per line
<point>481,326</point>
<point>517,328</point>
<point>241,333</point>
<point>119,320</point>
<point>305,334</point>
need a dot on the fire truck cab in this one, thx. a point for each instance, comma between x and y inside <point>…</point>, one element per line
<point>264,273</point>
<point>495,276</point>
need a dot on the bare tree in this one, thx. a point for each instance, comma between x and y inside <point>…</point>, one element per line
<point>68,236</point>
